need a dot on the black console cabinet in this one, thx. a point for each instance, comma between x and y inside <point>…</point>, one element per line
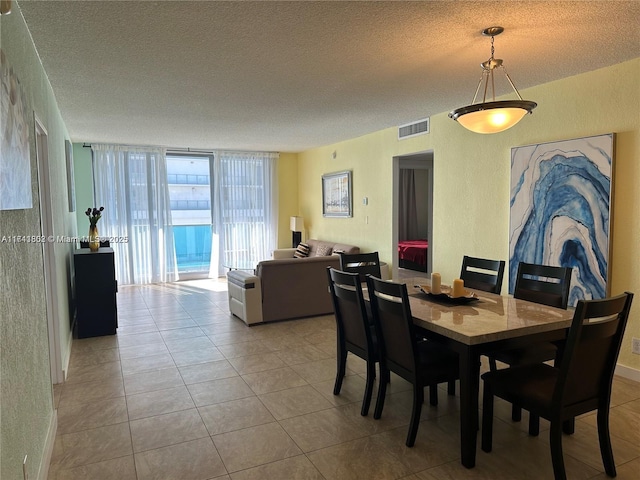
<point>96,288</point>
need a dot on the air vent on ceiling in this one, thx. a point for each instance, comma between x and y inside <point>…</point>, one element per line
<point>412,129</point>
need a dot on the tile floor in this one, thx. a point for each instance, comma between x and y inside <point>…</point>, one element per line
<point>186,392</point>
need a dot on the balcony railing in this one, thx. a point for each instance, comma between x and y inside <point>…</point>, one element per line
<point>187,179</point>
<point>193,247</point>
<point>190,205</point>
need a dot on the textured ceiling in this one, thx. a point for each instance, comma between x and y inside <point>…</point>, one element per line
<point>288,76</point>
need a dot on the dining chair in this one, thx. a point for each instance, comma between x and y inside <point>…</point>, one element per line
<point>361,263</point>
<point>355,333</point>
<point>547,285</point>
<point>580,383</point>
<point>423,363</point>
<point>482,274</point>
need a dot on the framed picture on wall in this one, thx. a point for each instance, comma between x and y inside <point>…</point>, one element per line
<point>336,195</point>
<point>15,159</point>
<point>561,208</point>
<point>71,188</point>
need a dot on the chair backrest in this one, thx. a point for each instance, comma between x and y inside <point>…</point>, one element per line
<point>350,311</point>
<point>394,326</point>
<point>591,353</point>
<point>361,263</point>
<point>482,274</point>
<point>543,284</point>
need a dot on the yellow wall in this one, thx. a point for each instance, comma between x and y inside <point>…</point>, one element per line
<point>370,159</point>
<point>28,416</point>
<point>472,178</point>
<point>287,196</point>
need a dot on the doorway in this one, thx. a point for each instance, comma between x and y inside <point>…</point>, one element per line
<point>46,227</point>
<point>413,215</point>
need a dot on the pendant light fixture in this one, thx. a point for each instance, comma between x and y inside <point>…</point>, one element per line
<point>493,116</point>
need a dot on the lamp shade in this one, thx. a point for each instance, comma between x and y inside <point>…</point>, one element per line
<point>492,117</point>
<point>296,224</point>
<point>5,7</point>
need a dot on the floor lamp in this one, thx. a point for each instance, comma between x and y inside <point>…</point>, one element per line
<point>297,225</point>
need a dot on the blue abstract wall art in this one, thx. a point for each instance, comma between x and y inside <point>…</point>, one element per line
<point>560,210</point>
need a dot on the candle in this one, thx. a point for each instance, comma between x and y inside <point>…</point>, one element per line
<point>435,283</point>
<point>458,288</point>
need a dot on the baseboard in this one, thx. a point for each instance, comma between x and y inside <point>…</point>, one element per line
<point>628,372</point>
<point>67,357</point>
<point>43,469</point>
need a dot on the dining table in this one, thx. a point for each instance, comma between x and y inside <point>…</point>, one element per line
<point>477,324</point>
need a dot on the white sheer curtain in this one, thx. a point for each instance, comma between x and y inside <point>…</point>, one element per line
<point>245,209</point>
<point>131,185</point>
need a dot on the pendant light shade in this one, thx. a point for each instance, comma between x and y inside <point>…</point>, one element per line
<point>493,116</point>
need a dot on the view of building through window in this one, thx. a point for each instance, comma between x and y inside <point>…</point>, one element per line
<point>190,196</point>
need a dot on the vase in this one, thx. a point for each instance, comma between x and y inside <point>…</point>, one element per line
<point>94,239</point>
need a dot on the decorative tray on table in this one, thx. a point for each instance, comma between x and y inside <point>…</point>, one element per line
<point>446,295</point>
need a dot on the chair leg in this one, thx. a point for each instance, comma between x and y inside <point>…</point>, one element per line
<point>516,413</point>
<point>451,388</point>
<point>605,442</point>
<point>368,390</point>
<point>382,391</point>
<point>418,398</point>
<point>433,395</point>
<point>341,370</point>
<point>487,418</point>
<point>569,426</point>
<point>555,439</point>
<point>492,364</point>
<point>534,424</point>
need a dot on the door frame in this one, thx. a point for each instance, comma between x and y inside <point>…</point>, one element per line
<point>48,251</point>
<point>417,161</point>
<point>210,156</point>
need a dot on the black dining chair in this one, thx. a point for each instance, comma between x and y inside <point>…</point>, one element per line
<point>355,333</point>
<point>546,285</point>
<point>361,263</point>
<point>482,274</point>
<point>423,363</point>
<point>580,383</point>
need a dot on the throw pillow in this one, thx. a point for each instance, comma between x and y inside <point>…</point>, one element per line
<point>323,250</point>
<point>302,251</point>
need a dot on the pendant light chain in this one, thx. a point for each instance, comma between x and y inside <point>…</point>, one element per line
<point>491,69</point>
<point>492,48</point>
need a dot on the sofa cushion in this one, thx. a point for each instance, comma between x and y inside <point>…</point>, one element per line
<point>323,250</point>
<point>314,245</point>
<point>302,251</point>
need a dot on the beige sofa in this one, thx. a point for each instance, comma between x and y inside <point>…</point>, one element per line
<point>295,287</point>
